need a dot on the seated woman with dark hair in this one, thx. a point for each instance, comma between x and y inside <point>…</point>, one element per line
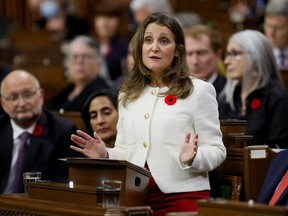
<point>100,114</point>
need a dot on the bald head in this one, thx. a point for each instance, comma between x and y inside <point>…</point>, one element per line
<point>21,97</point>
<point>16,76</point>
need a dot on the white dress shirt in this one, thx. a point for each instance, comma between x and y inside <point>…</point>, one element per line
<point>282,64</point>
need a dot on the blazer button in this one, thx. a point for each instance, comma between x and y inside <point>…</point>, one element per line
<point>153,92</point>
<point>146,116</point>
<point>145,144</point>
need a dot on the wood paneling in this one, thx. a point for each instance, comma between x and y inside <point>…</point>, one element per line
<point>214,11</point>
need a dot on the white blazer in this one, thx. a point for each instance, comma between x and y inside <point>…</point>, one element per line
<point>151,130</point>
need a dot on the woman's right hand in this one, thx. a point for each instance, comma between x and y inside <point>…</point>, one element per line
<point>89,146</point>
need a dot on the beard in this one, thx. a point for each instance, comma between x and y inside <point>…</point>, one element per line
<point>26,122</point>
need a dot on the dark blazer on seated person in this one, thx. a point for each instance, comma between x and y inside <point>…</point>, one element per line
<point>61,101</point>
<point>276,171</point>
<point>49,143</point>
<point>3,72</point>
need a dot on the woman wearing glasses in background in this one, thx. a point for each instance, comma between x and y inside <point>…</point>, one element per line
<point>254,90</point>
<point>85,73</point>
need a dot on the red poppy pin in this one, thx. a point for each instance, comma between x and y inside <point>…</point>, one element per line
<point>255,103</point>
<point>38,130</point>
<point>170,100</point>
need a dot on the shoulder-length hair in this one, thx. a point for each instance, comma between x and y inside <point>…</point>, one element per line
<point>177,78</point>
<point>111,94</point>
<point>261,64</point>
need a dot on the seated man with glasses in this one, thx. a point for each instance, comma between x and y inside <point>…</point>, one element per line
<point>32,138</point>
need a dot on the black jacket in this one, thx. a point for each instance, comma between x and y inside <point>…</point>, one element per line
<point>266,115</point>
<point>44,150</point>
<point>60,101</point>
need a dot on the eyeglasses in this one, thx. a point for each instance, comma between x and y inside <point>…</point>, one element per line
<point>26,95</point>
<point>84,57</point>
<point>233,54</point>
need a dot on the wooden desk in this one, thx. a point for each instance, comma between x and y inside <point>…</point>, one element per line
<point>238,140</point>
<point>233,208</point>
<point>91,172</point>
<point>252,169</point>
<point>239,161</point>
<point>231,126</point>
<point>257,160</point>
<point>23,206</point>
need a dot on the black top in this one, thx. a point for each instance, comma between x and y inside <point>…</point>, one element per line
<point>3,72</point>
<point>266,114</point>
<point>60,101</point>
<point>116,57</point>
<point>219,83</point>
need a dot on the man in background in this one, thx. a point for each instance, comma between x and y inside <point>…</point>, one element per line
<point>276,30</point>
<point>32,138</point>
<point>204,54</point>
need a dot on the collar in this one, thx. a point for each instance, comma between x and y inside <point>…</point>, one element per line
<point>277,51</point>
<point>213,78</point>
<point>18,130</point>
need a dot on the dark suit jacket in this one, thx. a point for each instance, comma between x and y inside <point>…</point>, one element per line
<point>114,60</point>
<point>3,72</point>
<point>60,101</point>
<point>43,151</point>
<point>219,83</point>
<point>266,114</point>
<point>276,171</point>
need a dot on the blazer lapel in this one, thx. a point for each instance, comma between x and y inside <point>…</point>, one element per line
<point>37,142</point>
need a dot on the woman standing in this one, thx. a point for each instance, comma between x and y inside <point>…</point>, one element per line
<point>168,121</point>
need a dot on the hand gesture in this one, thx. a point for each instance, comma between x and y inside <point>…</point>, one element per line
<point>89,146</point>
<point>188,150</point>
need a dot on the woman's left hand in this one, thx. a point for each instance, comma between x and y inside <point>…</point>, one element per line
<point>188,150</point>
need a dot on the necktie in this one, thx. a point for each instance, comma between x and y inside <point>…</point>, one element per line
<point>281,187</point>
<point>17,184</point>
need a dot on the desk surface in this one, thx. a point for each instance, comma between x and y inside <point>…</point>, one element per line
<point>228,208</point>
<point>18,204</point>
